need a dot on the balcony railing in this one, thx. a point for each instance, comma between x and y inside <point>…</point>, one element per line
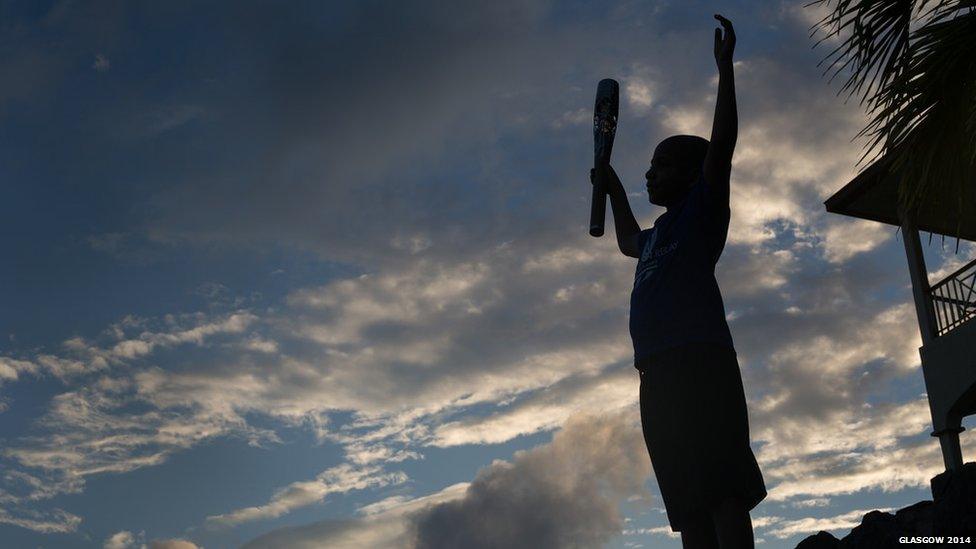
<point>954,298</point>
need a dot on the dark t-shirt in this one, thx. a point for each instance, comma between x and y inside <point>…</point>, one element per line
<point>676,299</point>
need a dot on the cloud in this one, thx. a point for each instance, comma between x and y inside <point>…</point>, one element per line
<point>166,118</point>
<point>844,239</point>
<point>173,544</point>
<point>812,502</point>
<point>755,270</point>
<point>55,521</point>
<point>361,344</point>
<point>127,540</point>
<point>782,528</point>
<point>473,308</point>
<point>99,428</point>
<point>347,345</point>
<point>688,120</point>
<point>33,488</point>
<point>448,113</point>
<point>466,86</point>
<point>386,523</point>
<point>828,348</point>
<point>888,470</point>
<point>258,344</point>
<point>952,263</point>
<point>545,409</point>
<point>82,357</point>
<point>566,491</point>
<point>11,368</point>
<point>336,480</point>
<point>578,117</point>
<point>121,540</point>
<point>562,493</point>
<point>655,531</point>
<point>808,15</point>
<point>639,93</point>
<point>101,64</point>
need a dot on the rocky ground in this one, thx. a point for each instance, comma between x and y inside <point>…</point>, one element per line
<point>951,513</point>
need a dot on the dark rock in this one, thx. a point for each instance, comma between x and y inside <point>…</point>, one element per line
<point>820,540</point>
<point>955,502</point>
<point>916,519</point>
<point>877,530</point>
<point>952,513</point>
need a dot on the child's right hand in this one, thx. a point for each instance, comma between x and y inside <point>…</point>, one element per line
<point>598,174</point>
<point>603,173</point>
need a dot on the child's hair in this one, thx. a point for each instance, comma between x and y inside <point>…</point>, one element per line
<point>690,149</point>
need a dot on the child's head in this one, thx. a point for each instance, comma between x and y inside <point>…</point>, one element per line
<point>676,165</point>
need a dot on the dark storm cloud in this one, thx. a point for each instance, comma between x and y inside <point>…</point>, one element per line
<point>347,128</point>
<point>378,124</point>
<point>561,494</point>
<point>564,494</point>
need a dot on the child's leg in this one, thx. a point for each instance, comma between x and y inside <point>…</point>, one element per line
<point>699,535</point>
<point>733,525</point>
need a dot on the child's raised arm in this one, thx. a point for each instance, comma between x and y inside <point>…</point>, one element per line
<point>725,125</point>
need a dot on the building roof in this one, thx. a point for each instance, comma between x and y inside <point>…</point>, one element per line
<point>873,195</point>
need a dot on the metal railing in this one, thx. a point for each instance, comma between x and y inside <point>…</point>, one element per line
<point>954,298</point>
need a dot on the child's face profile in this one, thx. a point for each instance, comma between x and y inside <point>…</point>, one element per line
<point>670,175</point>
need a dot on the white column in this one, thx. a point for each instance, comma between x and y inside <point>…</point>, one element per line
<point>948,437</point>
<point>920,280</point>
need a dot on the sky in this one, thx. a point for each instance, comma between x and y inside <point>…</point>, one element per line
<point>317,274</point>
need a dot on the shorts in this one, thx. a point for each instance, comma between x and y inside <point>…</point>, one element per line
<point>696,427</point>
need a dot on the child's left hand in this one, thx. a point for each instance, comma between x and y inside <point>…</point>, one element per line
<point>724,47</point>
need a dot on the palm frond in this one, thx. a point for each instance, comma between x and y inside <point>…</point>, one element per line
<point>923,119</point>
<point>877,37</point>
<point>913,62</point>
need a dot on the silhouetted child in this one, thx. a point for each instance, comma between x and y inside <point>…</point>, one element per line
<point>693,407</point>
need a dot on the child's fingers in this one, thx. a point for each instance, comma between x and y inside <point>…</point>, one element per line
<point>725,22</point>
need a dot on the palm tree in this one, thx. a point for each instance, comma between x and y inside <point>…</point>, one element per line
<point>913,63</point>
